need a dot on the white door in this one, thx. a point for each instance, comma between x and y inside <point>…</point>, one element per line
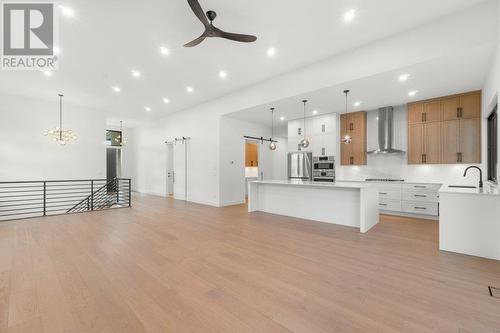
<point>170,169</point>
<point>265,161</point>
<point>179,164</point>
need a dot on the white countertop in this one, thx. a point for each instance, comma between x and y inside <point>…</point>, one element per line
<point>487,190</point>
<point>391,182</point>
<point>338,184</point>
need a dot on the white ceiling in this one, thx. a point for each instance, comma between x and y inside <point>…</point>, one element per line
<point>440,77</point>
<point>107,39</point>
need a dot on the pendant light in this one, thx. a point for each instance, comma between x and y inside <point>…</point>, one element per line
<point>120,138</point>
<point>59,135</point>
<point>273,144</point>
<point>346,139</point>
<point>305,141</point>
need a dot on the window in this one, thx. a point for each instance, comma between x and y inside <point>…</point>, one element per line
<point>493,145</point>
<point>113,138</point>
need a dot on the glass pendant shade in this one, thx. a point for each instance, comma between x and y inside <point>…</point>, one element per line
<point>59,135</point>
<point>272,145</point>
<point>120,139</point>
<point>346,139</point>
<point>304,143</point>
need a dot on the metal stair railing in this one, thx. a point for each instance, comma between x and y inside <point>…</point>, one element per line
<point>25,199</point>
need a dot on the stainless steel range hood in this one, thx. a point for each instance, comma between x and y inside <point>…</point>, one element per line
<point>385,132</point>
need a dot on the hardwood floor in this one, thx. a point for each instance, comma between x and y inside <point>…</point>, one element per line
<point>167,266</point>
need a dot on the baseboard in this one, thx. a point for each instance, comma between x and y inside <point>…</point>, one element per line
<point>232,203</point>
<point>416,216</point>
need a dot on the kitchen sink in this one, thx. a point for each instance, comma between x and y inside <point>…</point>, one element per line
<point>461,186</point>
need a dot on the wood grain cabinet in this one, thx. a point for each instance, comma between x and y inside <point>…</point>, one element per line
<point>353,124</point>
<point>424,143</point>
<point>445,130</point>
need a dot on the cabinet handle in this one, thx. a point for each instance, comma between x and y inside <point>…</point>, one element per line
<point>459,157</point>
<point>381,204</point>
<point>421,208</point>
<point>323,128</point>
<point>460,112</point>
<point>424,158</point>
<point>423,116</point>
<point>351,126</point>
<point>420,186</point>
<point>420,196</point>
<point>351,160</point>
<point>383,193</point>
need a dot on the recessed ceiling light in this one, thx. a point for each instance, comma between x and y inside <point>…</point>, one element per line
<point>164,51</point>
<point>315,111</point>
<point>135,73</point>
<point>356,104</point>
<point>166,100</point>
<point>48,73</point>
<point>222,74</point>
<point>413,93</point>
<point>67,11</point>
<point>147,108</point>
<point>189,89</point>
<point>116,89</point>
<point>271,52</point>
<point>282,118</point>
<point>404,77</point>
<point>349,15</point>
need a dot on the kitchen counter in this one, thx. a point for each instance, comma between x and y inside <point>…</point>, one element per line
<point>350,204</point>
<point>487,190</point>
<point>469,221</point>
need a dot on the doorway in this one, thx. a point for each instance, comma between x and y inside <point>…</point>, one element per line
<point>170,170</point>
<point>113,163</point>
<point>177,175</point>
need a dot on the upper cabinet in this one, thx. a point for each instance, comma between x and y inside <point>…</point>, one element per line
<point>321,132</point>
<point>445,130</point>
<point>424,112</point>
<point>353,124</point>
<point>464,106</point>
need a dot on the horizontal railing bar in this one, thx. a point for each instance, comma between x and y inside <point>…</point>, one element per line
<point>29,186</point>
<point>19,209</point>
<point>24,204</point>
<point>77,192</point>
<point>22,191</point>
<point>18,200</point>
<point>64,190</point>
<point>20,196</point>
<point>3,215</point>
<point>75,201</point>
<point>59,181</point>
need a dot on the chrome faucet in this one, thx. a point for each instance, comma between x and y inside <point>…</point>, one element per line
<point>480,174</point>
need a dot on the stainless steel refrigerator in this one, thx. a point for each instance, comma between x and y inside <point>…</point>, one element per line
<point>300,165</point>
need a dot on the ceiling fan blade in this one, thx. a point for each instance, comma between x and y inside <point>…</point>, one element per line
<point>196,41</point>
<point>198,11</point>
<point>237,37</point>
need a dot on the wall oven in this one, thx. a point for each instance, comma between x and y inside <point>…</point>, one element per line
<point>324,169</point>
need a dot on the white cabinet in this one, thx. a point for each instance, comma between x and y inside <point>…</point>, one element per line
<point>321,132</point>
<point>414,199</point>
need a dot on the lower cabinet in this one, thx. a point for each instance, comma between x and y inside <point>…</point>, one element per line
<point>413,199</point>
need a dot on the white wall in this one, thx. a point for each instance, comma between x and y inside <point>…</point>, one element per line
<point>445,36</point>
<point>232,157</point>
<point>203,154</point>
<point>25,154</point>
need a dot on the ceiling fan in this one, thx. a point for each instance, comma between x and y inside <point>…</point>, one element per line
<point>210,30</point>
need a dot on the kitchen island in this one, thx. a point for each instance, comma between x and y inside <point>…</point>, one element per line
<point>469,222</point>
<point>344,203</point>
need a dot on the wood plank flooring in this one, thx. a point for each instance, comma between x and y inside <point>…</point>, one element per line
<point>170,266</point>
